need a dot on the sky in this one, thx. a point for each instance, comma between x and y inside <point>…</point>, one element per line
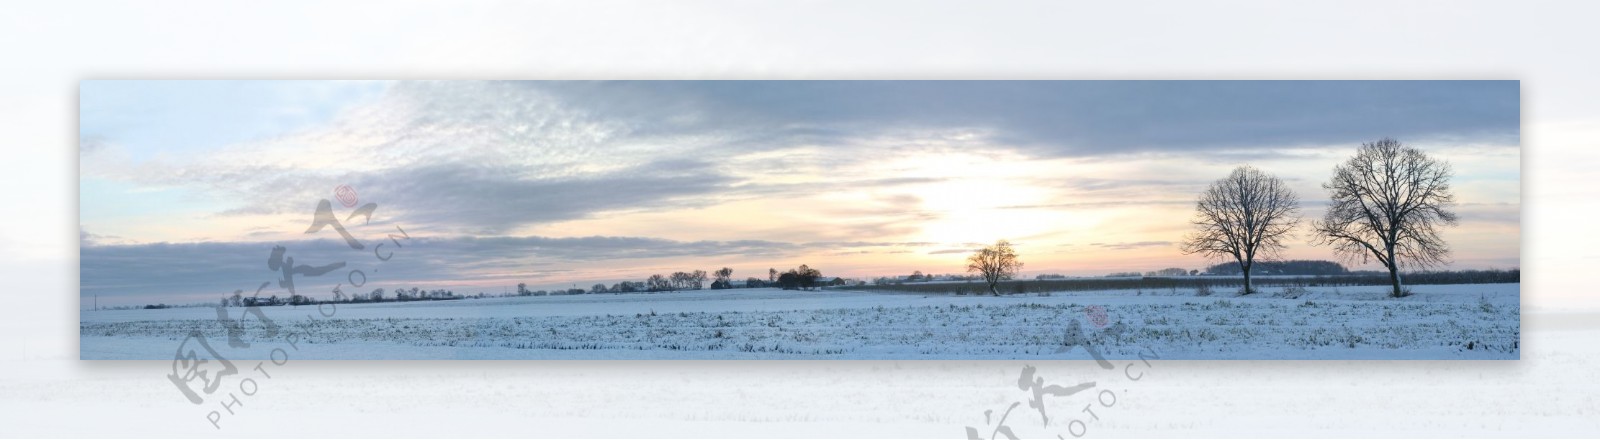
<point>187,186</point>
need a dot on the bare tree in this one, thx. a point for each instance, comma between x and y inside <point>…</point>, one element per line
<point>808,276</point>
<point>1243,216</point>
<point>804,277</point>
<point>697,279</point>
<point>723,279</point>
<point>1388,204</point>
<point>995,263</point>
<point>658,283</point>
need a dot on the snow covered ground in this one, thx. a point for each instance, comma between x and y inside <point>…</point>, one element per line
<point>1479,321</point>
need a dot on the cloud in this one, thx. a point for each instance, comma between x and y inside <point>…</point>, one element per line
<point>1061,118</point>
<point>1104,204</point>
<point>85,238</point>
<point>951,251</point>
<point>1132,245</point>
<point>486,157</point>
<point>833,244</point>
<point>90,145</point>
<point>1509,214</point>
<point>491,200</point>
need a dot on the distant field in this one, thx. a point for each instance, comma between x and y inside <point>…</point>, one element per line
<point>1440,322</point>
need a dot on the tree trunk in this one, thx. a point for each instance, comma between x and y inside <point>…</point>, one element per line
<point>1394,278</point>
<point>1247,289</point>
<point>1394,273</point>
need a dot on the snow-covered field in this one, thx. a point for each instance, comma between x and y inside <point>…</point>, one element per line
<point>1479,321</point>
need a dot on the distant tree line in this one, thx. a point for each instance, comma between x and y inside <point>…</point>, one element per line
<point>522,290</point>
<point>1354,278</point>
<point>800,278</point>
<point>376,295</point>
<point>1171,272</point>
<point>920,277</point>
<point>1273,267</point>
<point>1289,267</point>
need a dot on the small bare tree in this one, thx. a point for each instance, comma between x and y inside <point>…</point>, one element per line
<point>1388,204</point>
<point>995,263</point>
<point>1243,216</point>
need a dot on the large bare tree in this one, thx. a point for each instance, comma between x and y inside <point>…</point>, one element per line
<point>995,263</point>
<point>1388,204</point>
<point>1243,216</point>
